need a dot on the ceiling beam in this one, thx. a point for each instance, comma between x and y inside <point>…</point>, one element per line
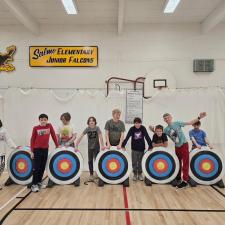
<point>22,14</point>
<point>121,12</point>
<point>214,18</point>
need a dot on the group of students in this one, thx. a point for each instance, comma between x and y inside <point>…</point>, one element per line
<point>114,136</point>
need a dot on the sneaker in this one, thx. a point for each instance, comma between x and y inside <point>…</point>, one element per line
<point>42,185</point>
<point>34,188</point>
<point>182,185</point>
<point>135,177</point>
<point>50,183</point>
<point>91,178</point>
<point>140,177</point>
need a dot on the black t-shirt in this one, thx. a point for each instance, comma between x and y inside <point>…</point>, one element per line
<point>158,140</point>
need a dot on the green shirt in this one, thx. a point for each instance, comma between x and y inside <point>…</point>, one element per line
<point>175,133</point>
<point>115,130</point>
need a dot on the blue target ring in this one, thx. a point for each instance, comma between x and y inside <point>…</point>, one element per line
<point>20,166</point>
<point>72,169</point>
<point>104,165</point>
<point>28,162</point>
<point>199,160</point>
<point>152,169</point>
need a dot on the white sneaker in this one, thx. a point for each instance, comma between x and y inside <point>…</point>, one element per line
<point>34,188</point>
<point>42,185</point>
<point>140,177</point>
<point>135,177</point>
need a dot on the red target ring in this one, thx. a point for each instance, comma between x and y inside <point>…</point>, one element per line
<point>21,166</point>
<point>160,165</point>
<point>64,165</point>
<point>113,165</point>
<point>206,166</point>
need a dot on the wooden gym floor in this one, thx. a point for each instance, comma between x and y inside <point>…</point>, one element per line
<point>112,204</point>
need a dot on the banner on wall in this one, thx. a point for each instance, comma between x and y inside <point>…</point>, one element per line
<point>134,105</point>
<point>63,56</point>
<point>6,58</point>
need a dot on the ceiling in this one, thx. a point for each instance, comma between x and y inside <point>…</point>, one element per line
<point>32,13</point>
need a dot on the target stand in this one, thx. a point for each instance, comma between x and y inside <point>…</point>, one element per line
<point>20,166</point>
<point>206,167</point>
<point>64,166</point>
<point>113,167</point>
<point>160,166</point>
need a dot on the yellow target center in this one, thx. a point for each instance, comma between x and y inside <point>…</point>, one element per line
<point>21,165</point>
<point>113,166</point>
<point>64,165</point>
<point>160,166</point>
<point>206,166</point>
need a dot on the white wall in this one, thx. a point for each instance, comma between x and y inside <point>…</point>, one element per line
<point>136,52</point>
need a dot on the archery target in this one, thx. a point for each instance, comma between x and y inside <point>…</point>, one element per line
<point>64,165</point>
<point>160,165</point>
<point>206,167</point>
<point>113,166</point>
<point>20,166</point>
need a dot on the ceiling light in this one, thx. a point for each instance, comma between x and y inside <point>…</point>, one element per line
<point>69,6</point>
<point>171,5</point>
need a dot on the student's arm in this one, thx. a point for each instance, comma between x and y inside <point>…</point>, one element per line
<point>79,140</point>
<point>32,141</point>
<point>107,135</point>
<point>9,140</point>
<point>148,139</point>
<point>164,144</point>
<point>52,132</point>
<point>195,142</point>
<point>121,141</point>
<point>201,115</point>
<point>129,134</point>
<point>208,143</point>
<point>100,137</point>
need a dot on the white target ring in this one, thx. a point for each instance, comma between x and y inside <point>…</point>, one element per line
<point>113,166</point>
<point>160,165</point>
<point>64,165</point>
<point>206,166</point>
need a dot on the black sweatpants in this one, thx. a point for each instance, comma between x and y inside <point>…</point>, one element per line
<point>39,163</point>
<point>2,164</point>
<point>92,153</point>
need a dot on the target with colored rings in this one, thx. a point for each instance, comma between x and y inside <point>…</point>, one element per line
<point>206,166</point>
<point>64,165</point>
<point>113,166</point>
<point>160,165</point>
<point>20,166</point>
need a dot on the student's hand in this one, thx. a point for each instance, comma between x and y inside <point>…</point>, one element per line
<point>152,128</point>
<point>210,146</point>
<point>103,148</point>
<point>150,149</point>
<point>108,146</point>
<point>32,155</point>
<point>199,146</point>
<point>18,147</point>
<point>119,147</point>
<point>76,149</point>
<point>202,115</point>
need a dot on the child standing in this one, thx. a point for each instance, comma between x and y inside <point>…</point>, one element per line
<point>66,134</point>
<point>159,138</point>
<point>198,137</point>
<point>115,129</point>
<point>4,139</point>
<point>138,134</point>
<point>94,136</point>
<point>39,150</point>
<point>176,134</point>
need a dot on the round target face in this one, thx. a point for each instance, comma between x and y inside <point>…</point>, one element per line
<point>160,165</point>
<point>20,166</point>
<point>64,165</point>
<point>206,167</point>
<point>113,166</point>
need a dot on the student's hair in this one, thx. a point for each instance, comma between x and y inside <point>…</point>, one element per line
<point>115,111</point>
<point>93,118</point>
<point>166,114</point>
<point>137,120</point>
<point>66,116</point>
<point>160,127</point>
<point>1,124</point>
<point>43,116</point>
<point>198,123</point>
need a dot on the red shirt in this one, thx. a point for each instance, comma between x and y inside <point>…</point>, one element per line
<point>40,136</point>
